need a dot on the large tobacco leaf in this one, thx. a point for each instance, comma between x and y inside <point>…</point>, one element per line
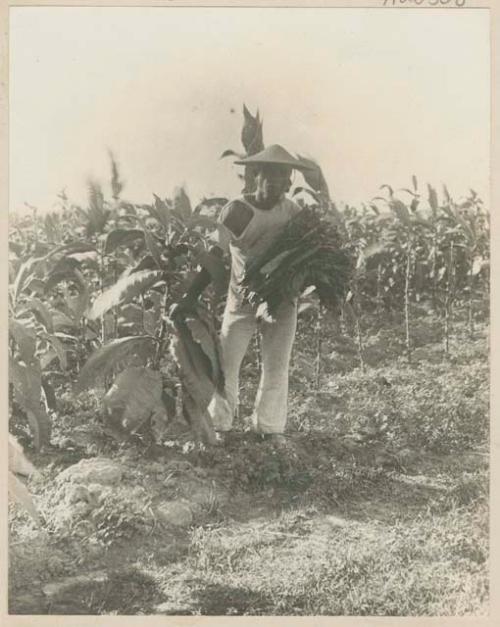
<point>114,354</point>
<point>123,291</point>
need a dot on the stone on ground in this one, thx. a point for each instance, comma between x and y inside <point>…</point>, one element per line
<point>177,513</point>
<point>96,470</point>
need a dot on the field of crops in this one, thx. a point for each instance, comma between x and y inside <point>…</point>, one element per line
<point>381,506</point>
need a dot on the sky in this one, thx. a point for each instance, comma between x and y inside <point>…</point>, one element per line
<point>373,95</point>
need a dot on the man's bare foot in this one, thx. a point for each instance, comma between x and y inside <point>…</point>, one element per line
<point>222,438</point>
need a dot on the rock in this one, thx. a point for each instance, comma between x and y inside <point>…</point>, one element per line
<point>177,513</point>
<point>100,471</point>
<point>335,521</point>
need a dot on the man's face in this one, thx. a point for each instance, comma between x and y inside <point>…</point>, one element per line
<point>272,181</point>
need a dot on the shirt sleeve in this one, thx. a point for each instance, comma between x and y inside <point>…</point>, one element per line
<point>231,223</point>
<point>221,237</point>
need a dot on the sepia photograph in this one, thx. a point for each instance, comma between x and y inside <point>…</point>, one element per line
<point>249,310</point>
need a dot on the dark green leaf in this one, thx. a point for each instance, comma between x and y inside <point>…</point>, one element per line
<point>182,204</point>
<point>59,349</point>
<point>25,338</point>
<point>136,394</point>
<point>202,221</point>
<point>305,190</point>
<point>61,320</point>
<point>43,314</point>
<point>153,247</point>
<point>16,248</point>
<point>116,183</point>
<point>120,237</point>
<point>210,202</point>
<point>446,194</point>
<point>432,197</point>
<point>75,247</point>
<point>231,153</point>
<point>124,290</point>
<point>389,189</point>
<point>251,133</point>
<point>217,269</point>
<point>27,382</point>
<point>401,210</point>
<point>25,273</point>
<point>314,176</point>
<point>50,395</point>
<point>146,263</point>
<point>112,355</point>
<point>161,211</point>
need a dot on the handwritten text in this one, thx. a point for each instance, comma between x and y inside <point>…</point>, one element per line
<point>430,3</point>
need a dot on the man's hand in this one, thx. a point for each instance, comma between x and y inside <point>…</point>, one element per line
<point>184,307</point>
<point>189,301</point>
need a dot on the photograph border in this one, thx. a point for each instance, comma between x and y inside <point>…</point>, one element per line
<point>493,7</point>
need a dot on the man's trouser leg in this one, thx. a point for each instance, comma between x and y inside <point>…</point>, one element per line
<point>277,342</point>
<point>235,335</point>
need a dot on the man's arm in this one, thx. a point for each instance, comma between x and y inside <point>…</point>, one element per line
<point>200,282</point>
<point>232,222</point>
<point>203,278</point>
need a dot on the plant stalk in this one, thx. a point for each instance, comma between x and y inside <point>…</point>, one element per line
<point>407,302</point>
<point>359,335</point>
<point>257,348</point>
<point>433,272</point>
<point>378,296</point>
<point>470,306</point>
<point>115,309</point>
<point>162,332</point>
<point>319,320</point>
<point>448,301</point>
<point>101,290</point>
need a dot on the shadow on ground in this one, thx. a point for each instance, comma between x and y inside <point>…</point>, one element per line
<point>127,592</point>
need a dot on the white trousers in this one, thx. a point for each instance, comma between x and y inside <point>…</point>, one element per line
<point>238,327</point>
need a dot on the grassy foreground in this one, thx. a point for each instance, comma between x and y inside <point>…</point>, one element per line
<point>380,507</point>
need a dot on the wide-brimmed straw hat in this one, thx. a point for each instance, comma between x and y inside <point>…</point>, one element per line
<point>274,154</point>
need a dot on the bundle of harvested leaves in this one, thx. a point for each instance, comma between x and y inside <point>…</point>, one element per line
<point>308,253</point>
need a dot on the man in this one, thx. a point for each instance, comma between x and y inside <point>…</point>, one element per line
<point>247,227</point>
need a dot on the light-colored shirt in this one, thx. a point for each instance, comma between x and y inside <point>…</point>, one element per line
<point>259,233</point>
